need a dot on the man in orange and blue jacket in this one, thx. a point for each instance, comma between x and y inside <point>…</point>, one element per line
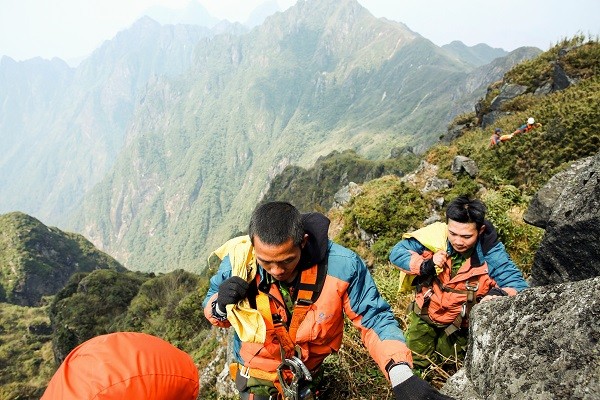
<point>454,265</point>
<point>295,285</point>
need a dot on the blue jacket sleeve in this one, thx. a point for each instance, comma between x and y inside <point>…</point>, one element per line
<point>503,270</point>
<point>222,273</point>
<point>401,253</point>
<point>366,301</point>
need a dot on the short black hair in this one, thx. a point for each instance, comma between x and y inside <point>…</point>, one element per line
<point>465,210</point>
<point>275,223</point>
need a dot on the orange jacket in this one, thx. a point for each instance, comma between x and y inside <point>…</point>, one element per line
<point>125,365</point>
<point>348,290</point>
<point>489,266</point>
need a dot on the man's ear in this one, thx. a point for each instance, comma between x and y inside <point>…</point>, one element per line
<point>482,229</point>
<point>304,241</point>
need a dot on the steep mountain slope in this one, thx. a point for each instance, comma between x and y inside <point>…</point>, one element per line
<point>65,136</point>
<point>37,260</point>
<point>323,75</point>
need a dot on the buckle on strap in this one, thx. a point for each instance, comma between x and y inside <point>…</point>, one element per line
<point>245,371</point>
<point>428,294</point>
<point>471,291</point>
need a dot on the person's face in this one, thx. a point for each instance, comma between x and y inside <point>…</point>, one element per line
<point>463,236</point>
<point>280,260</point>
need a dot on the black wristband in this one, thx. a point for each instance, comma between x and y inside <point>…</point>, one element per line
<point>216,314</point>
<point>393,363</point>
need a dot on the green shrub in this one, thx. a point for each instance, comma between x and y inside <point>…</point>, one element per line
<point>385,209</point>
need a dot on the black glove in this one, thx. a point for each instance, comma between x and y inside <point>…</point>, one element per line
<point>231,291</point>
<point>496,291</point>
<point>428,268</point>
<point>415,388</point>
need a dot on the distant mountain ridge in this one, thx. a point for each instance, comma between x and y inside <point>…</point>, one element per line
<point>182,130</point>
<point>477,55</point>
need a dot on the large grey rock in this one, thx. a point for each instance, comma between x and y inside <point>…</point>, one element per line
<point>541,344</point>
<point>507,92</point>
<point>560,78</point>
<point>462,163</point>
<point>540,209</point>
<point>491,117</point>
<point>570,249</point>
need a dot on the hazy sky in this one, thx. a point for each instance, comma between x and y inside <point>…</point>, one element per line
<point>74,28</point>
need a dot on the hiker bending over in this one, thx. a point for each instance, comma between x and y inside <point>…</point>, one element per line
<point>285,289</point>
<point>454,265</point>
<point>528,126</point>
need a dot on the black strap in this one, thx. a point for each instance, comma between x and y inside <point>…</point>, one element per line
<point>317,287</point>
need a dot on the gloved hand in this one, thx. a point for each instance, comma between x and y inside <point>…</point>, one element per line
<point>427,268</point>
<point>231,291</point>
<point>496,291</point>
<point>415,388</point>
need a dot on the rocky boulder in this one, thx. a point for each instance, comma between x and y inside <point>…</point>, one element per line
<point>541,344</point>
<point>569,209</point>
<point>462,163</point>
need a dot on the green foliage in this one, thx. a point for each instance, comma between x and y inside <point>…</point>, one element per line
<point>26,362</point>
<point>464,119</point>
<point>570,131</point>
<point>89,305</point>
<point>582,61</point>
<point>464,185</point>
<point>169,306</point>
<point>40,258</point>
<point>385,209</point>
<point>314,188</point>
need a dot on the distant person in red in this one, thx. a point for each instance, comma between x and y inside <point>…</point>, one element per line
<point>125,365</point>
<point>495,138</point>
<point>528,126</point>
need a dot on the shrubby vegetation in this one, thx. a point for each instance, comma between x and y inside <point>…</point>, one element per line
<point>297,184</point>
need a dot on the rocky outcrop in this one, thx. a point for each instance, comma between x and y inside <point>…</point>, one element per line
<point>540,208</point>
<point>217,371</point>
<point>462,163</point>
<point>507,93</point>
<point>541,344</point>
<point>568,206</point>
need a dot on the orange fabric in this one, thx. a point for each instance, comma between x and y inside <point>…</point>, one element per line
<point>444,306</point>
<point>125,365</point>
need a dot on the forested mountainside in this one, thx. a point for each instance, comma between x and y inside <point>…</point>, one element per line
<point>63,127</point>
<point>369,221</point>
<point>37,260</point>
<point>203,147</point>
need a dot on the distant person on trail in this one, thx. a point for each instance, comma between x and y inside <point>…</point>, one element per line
<point>454,265</point>
<point>495,138</point>
<point>125,365</point>
<point>285,288</point>
<point>528,126</point>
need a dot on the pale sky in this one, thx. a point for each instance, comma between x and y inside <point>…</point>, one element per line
<point>71,29</point>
